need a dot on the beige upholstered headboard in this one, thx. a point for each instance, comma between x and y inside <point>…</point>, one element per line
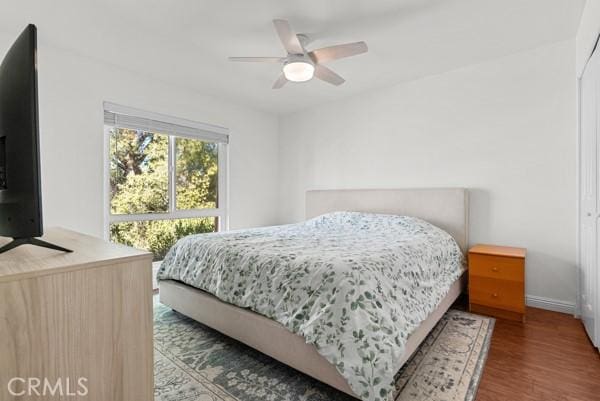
<point>447,208</point>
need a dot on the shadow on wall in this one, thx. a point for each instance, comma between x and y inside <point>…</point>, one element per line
<point>479,216</point>
<point>550,269</point>
<point>541,268</point>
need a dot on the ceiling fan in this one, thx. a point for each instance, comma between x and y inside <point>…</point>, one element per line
<point>301,65</point>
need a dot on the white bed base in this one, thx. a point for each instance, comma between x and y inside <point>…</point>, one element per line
<point>445,207</point>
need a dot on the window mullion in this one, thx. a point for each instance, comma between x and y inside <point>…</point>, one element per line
<point>171,179</point>
<point>222,189</point>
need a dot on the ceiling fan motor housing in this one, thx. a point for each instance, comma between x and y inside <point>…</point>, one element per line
<point>298,58</point>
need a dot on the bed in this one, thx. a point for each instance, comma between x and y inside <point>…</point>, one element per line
<point>310,353</point>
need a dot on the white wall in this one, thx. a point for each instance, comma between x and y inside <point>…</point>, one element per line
<point>504,128</point>
<point>71,91</point>
<point>587,33</point>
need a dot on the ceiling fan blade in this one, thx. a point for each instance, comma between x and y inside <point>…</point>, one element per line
<point>290,41</point>
<point>258,59</point>
<point>325,74</point>
<point>282,80</point>
<point>339,51</point>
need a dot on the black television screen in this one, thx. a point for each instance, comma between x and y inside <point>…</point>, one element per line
<point>20,198</point>
<point>20,191</point>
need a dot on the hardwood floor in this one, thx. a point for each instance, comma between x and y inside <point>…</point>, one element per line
<point>548,358</point>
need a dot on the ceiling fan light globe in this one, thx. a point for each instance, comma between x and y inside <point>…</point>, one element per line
<point>298,71</point>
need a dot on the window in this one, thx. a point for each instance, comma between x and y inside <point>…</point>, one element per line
<point>165,178</point>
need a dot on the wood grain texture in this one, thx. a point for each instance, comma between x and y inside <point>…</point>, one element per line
<point>29,261</point>
<point>497,250</point>
<point>499,313</point>
<point>497,281</point>
<point>547,358</point>
<point>94,321</point>
<point>496,267</point>
<point>495,293</point>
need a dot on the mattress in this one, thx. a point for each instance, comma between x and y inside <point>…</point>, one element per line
<point>355,285</point>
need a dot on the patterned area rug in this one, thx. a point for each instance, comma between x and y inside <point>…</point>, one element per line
<point>196,363</point>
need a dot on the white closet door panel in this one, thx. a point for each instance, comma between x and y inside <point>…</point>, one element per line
<point>589,199</point>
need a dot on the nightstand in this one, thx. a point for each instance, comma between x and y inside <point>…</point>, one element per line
<point>497,281</point>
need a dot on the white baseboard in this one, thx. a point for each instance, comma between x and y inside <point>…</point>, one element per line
<point>550,304</point>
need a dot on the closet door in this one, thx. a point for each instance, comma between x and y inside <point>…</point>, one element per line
<point>589,200</point>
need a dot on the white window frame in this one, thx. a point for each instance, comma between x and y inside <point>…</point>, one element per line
<point>221,211</point>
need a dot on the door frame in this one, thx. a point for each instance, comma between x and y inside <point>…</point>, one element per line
<point>578,199</point>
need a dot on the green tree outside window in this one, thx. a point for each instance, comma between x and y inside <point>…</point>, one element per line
<point>139,184</point>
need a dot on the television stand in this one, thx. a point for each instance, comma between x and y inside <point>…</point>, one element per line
<point>31,241</point>
<point>85,316</point>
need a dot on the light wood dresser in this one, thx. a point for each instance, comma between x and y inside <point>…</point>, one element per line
<point>80,319</point>
<point>497,281</point>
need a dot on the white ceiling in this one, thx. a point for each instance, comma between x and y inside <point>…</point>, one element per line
<point>186,42</point>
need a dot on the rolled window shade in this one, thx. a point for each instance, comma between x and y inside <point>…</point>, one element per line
<point>129,118</point>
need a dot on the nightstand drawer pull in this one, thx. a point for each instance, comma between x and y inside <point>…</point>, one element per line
<point>497,267</point>
<point>497,293</point>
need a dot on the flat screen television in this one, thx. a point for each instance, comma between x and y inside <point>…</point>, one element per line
<point>20,188</point>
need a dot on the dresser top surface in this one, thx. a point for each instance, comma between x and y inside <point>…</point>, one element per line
<point>496,250</point>
<point>27,260</point>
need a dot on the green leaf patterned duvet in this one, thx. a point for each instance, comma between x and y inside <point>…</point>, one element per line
<point>355,285</point>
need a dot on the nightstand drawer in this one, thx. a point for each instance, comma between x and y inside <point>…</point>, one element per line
<point>502,294</point>
<point>497,267</point>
